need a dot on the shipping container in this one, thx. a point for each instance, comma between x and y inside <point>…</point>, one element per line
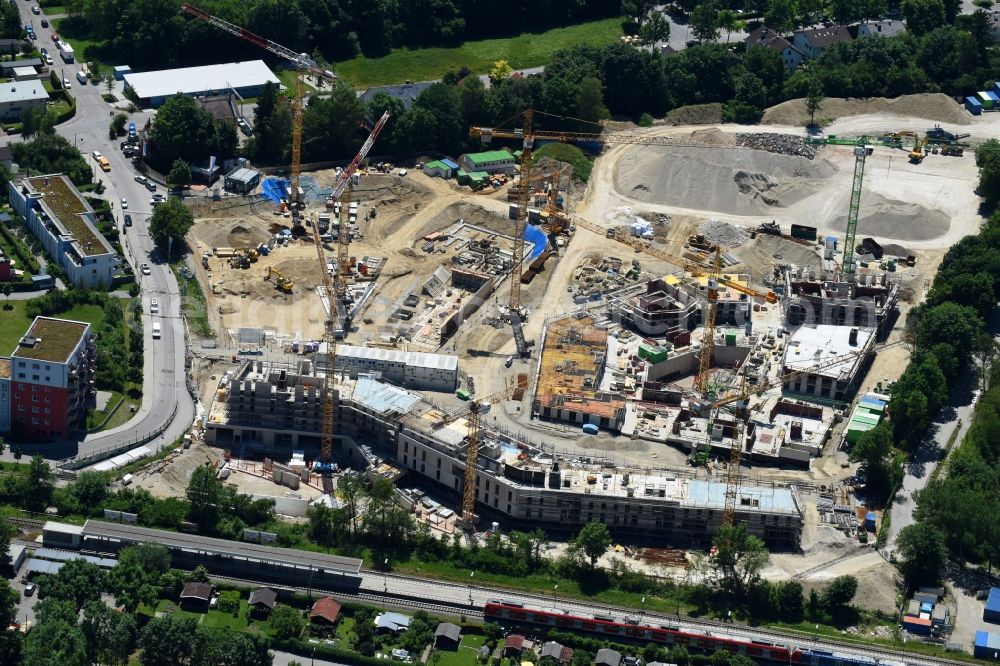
<point>994,98</point>
<point>916,625</point>
<point>973,106</point>
<point>985,100</point>
<point>992,611</point>
<point>870,519</point>
<point>996,87</point>
<point>986,645</point>
<point>803,232</point>
<point>653,353</point>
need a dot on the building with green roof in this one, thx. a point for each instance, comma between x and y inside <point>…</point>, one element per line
<point>491,161</point>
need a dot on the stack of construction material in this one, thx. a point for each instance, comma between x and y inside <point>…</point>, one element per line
<point>643,229</point>
<point>784,144</point>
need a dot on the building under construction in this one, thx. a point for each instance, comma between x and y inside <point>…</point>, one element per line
<point>822,297</point>
<point>274,408</point>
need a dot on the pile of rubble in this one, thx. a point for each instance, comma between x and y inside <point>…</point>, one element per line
<point>723,234</point>
<point>784,144</point>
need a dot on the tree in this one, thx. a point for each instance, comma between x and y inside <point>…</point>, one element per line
<point>171,220</point>
<point>705,23</point>
<point>51,153</point>
<point>655,28</point>
<point>729,21</point>
<point>501,70</point>
<point>590,100</point>
<point>350,489</point>
<point>9,599</point>
<point>739,559</point>
<point>39,486</point>
<point>8,289</point>
<point>780,15</point>
<point>55,643</point>
<point>180,174</point>
<point>988,161</point>
<point>110,634</point>
<point>923,16</point>
<point>814,97</point>
<point>750,99</point>
<point>78,581</point>
<point>839,593</point>
<point>184,130</point>
<point>137,576</point>
<point>167,641</point>
<point>286,622</point>
<point>204,493</point>
<point>331,125</point>
<point>593,539</point>
<point>924,553</point>
<point>90,490</point>
<point>272,127</point>
<point>874,451</point>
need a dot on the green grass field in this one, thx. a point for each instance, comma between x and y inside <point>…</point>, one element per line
<point>526,50</point>
<point>466,653</point>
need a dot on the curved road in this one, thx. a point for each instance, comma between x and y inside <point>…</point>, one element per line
<point>164,386</point>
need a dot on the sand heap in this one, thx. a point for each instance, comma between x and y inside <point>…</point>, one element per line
<point>898,220</point>
<point>732,181</point>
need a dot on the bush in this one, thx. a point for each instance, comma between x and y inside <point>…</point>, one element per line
<point>229,602</point>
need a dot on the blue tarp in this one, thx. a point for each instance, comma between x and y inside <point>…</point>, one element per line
<point>275,189</point>
<point>536,235</point>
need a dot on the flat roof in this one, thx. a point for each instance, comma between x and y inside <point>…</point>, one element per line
<point>63,201</point>
<point>382,397</point>
<point>237,549</point>
<point>51,340</point>
<point>414,359</point>
<point>489,156</point>
<point>811,345</point>
<point>4,367</point>
<point>192,80</point>
<point>22,91</point>
<point>244,174</point>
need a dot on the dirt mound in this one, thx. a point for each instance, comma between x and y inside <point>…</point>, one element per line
<point>932,106</point>
<point>897,220</point>
<point>763,253</point>
<point>696,114</point>
<point>736,182</point>
<point>713,136</point>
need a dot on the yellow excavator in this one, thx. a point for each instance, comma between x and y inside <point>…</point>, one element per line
<point>917,154</point>
<point>280,281</point>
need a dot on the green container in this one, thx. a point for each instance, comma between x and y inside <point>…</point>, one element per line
<point>462,394</point>
<point>985,99</point>
<point>653,354</point>
<point>730,339</point>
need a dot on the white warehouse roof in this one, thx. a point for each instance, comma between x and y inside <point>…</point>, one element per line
<point>193,80</point>
<point>412,359</point>
<point>813,345</point>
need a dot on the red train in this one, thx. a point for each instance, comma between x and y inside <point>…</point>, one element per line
<point>626,628</point>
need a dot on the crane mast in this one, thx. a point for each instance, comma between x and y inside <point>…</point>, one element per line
<point>303,63</point>
<point>861,151</point>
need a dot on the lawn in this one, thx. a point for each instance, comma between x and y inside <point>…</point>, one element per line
<point>466,653</point>
<point>13,325</point>
<point>216,619</point>
<point>526,50</point>
<point>193,305</point>
<point>287,78</point>
<point>73,30</point>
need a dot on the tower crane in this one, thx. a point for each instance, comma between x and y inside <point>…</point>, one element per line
<point>743,396</point>
<point>473,416</point>
<point>303,63</point>
<point>528,135</point>
<point>861,151</point>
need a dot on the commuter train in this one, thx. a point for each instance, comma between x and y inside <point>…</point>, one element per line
<point>630,629</point>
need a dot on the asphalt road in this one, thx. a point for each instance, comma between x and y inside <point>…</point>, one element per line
<point>163,375</point>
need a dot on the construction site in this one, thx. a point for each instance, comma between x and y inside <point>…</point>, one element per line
<point>696,336</point>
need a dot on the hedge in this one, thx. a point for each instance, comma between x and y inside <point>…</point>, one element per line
<point>68,113</point>
<point>307,649</point>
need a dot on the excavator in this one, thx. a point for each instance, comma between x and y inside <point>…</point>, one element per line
<point>280,281</point>
<point>918,153</point>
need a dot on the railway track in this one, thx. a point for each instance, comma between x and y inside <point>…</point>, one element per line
<point>28,523</point>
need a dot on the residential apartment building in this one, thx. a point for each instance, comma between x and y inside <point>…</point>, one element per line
<point>820,345</point>
<point>813,42</point>
<point>62,220</point>
<point>49,379</point>
<point>764,36</point>
<point>16,98</point>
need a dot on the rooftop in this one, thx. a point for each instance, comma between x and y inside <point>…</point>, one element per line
<point>201,591</point>
<point>382,397</point>
<point>325,608</point>
<point>4,368</point>
<point>812,345</point>
<point>406,92</point>
<point>51,339</point>
<point>413,359</point>
<point>826,36</point>
<point>489,156</point>
<point>192,80</point>
<point>22,91</point>
<point>69,209</point>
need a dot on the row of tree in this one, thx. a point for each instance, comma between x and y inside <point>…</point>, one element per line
<point>155,33</point>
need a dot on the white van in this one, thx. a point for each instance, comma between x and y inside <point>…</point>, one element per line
<point>156,331</point>
<point>81,77</point>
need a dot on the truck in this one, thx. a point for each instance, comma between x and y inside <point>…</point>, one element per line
<point>66,52</point>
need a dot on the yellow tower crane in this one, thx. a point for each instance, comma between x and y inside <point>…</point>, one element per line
<point>473,416</point>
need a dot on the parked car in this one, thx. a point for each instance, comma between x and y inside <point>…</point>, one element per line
<point>124,203</point>
<point>29,589</point>
<point>35,10</point>
<point>151,186</point>
<point>43,51</point>
<point>145,269</point>
<point>66,84</point>
<point>141,179</point>
<point>128,220</point>
<point>97,155</point>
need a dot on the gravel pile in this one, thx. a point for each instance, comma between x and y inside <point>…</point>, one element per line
<point>784,144</point>
<point>724,234</point>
